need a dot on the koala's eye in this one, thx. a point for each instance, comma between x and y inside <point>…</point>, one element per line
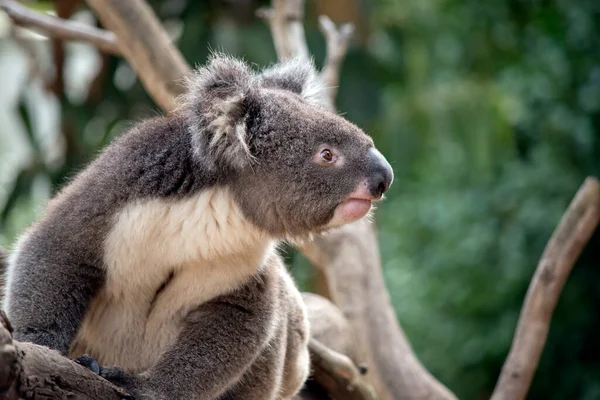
<point>327,156</point>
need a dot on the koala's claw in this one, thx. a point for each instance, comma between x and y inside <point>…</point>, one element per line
<point>89,363</point>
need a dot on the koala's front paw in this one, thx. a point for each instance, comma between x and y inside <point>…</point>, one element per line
<point>114,375</point>
<point>89,363</point>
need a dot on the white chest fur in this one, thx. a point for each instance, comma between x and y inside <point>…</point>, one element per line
<point>201,247</point>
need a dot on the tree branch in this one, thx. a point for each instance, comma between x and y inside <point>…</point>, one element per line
<point>285,20</point>
<point>337,45</point>
<point>28,371</point>
<point>59,28</point>
<point>568,240</point>
<point>338,374</point>
<point>147,46</point>
<point>351,264</point>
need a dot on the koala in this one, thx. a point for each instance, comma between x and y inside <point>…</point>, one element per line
<point>157,265</point>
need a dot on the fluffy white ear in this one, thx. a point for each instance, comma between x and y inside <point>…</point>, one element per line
<point>297,75</point>
<point>215,105</point>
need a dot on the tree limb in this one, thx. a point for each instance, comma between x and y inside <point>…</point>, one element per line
<point>28,371</point>
<point>350,261</point>
<point>329,326</point>
<point>146,45</point>
<point>568,240</point>
<point>285,20</point>
<point>337,45</point>
<point>59,28</point>
<point>338,374</point>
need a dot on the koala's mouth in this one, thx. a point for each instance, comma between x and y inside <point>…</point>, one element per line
<point>353,209</point>
<point>356,206</point>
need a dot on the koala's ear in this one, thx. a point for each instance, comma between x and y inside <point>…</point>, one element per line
<point>297,75</point>
<point>215,106</point>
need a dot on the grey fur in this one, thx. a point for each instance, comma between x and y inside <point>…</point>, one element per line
<point>255,134</point>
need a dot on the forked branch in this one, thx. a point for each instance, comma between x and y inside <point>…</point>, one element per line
<point>337,45</point>
<point>285,19</point>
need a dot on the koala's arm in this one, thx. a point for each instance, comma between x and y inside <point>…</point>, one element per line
<point>48,293</point>
<point>297,360</point>
<point>219,342</point>
<point>57,267</point>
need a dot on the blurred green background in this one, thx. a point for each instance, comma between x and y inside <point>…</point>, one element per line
<point>489,112</point>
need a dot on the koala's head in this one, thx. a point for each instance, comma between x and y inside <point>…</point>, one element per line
<point>293,166</point>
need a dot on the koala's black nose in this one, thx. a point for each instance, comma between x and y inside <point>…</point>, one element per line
<point>381,175</point>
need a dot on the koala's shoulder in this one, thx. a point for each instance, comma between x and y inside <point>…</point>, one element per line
<point>150,134</point>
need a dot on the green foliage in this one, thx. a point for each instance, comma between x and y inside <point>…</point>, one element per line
<point>490,115</point>
<point>493,124</point>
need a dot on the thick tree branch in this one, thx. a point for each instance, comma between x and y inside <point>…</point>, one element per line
<point>350,261</point>
<point>568,240</point>
<point>147,46</point>
<point>329,326</point>
<point>332,353</point>
<point>60,28</point>
<point>28,371</point>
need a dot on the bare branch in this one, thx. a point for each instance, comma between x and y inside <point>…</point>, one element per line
<point>350,260</point>
<point>147,46</point>
<point>336,363</point>
<point>28,371</point>
<point>60,28</point>
<point>285,20</point>
<point>329,326</point>
<point>338,374</point>
<point>337,46</point>
<point>568,240</point>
